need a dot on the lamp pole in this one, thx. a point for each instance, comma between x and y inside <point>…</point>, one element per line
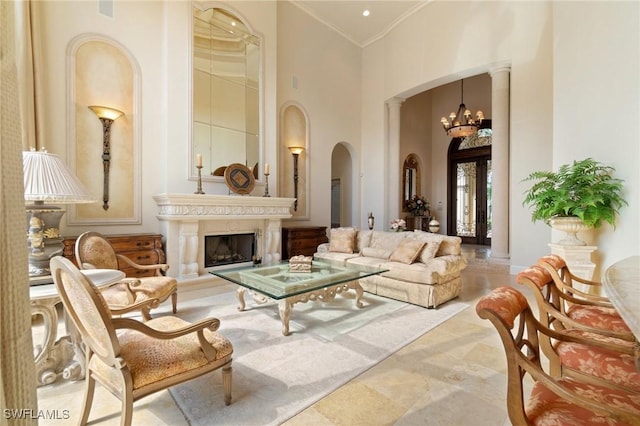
<point>107,117</point>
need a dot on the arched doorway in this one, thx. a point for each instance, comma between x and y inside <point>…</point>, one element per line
<point>469,195</point>
<point>341,187</point>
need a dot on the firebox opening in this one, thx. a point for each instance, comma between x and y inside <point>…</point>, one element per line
<point>222,250</point>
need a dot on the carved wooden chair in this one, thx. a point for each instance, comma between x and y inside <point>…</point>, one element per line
<point>605,353</point>
<point>552,400</point>
<point>94,251</point>
<point>133,359</point>
<point>586,307</point>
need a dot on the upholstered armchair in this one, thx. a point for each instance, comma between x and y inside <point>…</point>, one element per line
<point>133,359</point>
<point>551,400</point>
<point>601,352</point>
<point>92,250</point>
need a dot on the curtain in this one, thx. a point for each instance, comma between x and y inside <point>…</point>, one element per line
<point>28,66</point>
<point>17,368</point>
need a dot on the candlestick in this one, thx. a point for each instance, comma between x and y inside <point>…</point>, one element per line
<point>199,189</point>
<point>266,181</point>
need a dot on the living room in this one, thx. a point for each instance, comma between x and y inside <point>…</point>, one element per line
<point>568,77</point>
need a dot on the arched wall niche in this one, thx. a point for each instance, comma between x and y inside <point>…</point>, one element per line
<point>103,72</point>
<point>294,132</point>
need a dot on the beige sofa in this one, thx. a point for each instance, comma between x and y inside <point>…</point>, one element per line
<point>423,268</point>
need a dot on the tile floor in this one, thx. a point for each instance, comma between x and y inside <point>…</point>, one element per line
<point>453,375</point>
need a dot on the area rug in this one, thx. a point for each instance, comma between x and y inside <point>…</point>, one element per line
<point>275,376</point>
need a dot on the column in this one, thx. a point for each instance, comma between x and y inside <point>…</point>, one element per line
<point>393,166</point>
<point>500,161</point>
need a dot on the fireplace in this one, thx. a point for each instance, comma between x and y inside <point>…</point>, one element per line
<point>186,219</point>
<point>220,250</point>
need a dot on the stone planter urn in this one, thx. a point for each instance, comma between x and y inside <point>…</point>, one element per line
<point>570,226</point>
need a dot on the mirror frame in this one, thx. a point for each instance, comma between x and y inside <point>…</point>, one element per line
<point>410,162</point>
<point>207,176</point>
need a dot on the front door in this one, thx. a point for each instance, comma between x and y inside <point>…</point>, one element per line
<point>470,193</point>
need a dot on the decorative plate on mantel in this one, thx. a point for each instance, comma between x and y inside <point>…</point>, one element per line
<point>239,178</point>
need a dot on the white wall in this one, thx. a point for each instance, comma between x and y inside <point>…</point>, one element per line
<point>427,51</point>
<point>326,68</point>
<point>596,73</point>
<point>574,93</point>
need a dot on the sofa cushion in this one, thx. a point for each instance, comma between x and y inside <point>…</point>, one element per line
<point>408,251</point>
<point>387,240</point>
<point>342,240</point>
<point>376,252</point>
<point>363,240</point>
<point>432,244</point>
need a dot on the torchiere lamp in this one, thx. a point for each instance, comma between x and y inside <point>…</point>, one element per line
<point>47,179</point>
<point>295,151</point>
<point>107,116</point>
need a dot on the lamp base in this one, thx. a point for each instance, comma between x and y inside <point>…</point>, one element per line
<point>43,237</point>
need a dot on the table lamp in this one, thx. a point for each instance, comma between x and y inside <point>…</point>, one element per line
<point>47,180</point>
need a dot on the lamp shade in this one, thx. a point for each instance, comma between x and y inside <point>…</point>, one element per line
<point>48,179</point>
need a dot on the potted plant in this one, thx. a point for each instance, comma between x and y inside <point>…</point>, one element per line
<point>585,192</point>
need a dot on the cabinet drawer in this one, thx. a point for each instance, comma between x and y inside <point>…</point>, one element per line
<point>137,273</point>
<point>121,245</point>
<point>143,257</point>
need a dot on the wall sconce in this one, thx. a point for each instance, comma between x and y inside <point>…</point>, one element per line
<point>295,151</point>
<point>107,116</point>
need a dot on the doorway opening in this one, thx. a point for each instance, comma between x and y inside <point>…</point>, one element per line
<point>469,195</point>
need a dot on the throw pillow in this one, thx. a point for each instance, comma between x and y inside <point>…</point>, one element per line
<point>407,252</point>
<point>429,251</point>
<point>342,240</point>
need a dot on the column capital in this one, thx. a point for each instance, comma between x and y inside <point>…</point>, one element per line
<point>396,101</point>
<point>499,68</point>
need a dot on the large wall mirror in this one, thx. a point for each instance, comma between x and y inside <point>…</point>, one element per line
<point>226,93</point>
<point>410,179</point>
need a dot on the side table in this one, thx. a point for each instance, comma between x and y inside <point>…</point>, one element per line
<point>55,355</point>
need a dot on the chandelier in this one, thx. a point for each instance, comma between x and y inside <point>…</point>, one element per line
<point>462,124</point>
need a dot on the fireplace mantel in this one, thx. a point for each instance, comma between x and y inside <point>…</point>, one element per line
<point>186,218</point>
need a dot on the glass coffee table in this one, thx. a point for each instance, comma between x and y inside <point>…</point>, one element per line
<point>276,282</point>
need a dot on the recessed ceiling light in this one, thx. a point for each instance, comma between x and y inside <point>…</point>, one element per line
<point>366,12</point>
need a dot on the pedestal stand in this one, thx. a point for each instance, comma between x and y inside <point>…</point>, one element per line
<point>578,259</point>
<point>199,188</point>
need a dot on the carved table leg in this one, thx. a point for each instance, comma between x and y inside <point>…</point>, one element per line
<point>53,355</point>
<point>359,293</point>
<point>240,296</point>
<point>284,307</point>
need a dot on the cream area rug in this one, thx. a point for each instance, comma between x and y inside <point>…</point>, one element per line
<point>275,376</point>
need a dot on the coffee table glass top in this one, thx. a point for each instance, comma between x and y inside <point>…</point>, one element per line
<point>275,281</point>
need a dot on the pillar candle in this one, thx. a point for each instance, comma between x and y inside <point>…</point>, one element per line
<point>199,159</point>
<point>266,168</point>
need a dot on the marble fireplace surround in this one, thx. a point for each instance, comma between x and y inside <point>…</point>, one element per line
<point>185,219</point>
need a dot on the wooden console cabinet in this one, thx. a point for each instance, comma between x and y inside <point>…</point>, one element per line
<point>302,240</point>
<point>417,222</point>
<point>144,249</point>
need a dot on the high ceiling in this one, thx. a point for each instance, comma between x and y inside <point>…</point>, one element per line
<point>346,17</point>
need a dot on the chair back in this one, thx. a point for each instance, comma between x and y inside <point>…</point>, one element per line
<point>86,307</point>
<point>94,251</point>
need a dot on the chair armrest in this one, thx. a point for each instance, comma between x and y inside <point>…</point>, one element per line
<point>323,248</point>
<point>158,266</point>
<point>209,323</point>
<point>151,303</point>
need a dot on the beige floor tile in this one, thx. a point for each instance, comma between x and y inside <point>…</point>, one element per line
<point>452,375</point>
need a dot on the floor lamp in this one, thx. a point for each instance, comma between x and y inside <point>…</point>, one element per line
<point>47,180</point>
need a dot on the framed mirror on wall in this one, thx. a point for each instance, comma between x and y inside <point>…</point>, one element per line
<point>226,89</point>
<point>410,180</point>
